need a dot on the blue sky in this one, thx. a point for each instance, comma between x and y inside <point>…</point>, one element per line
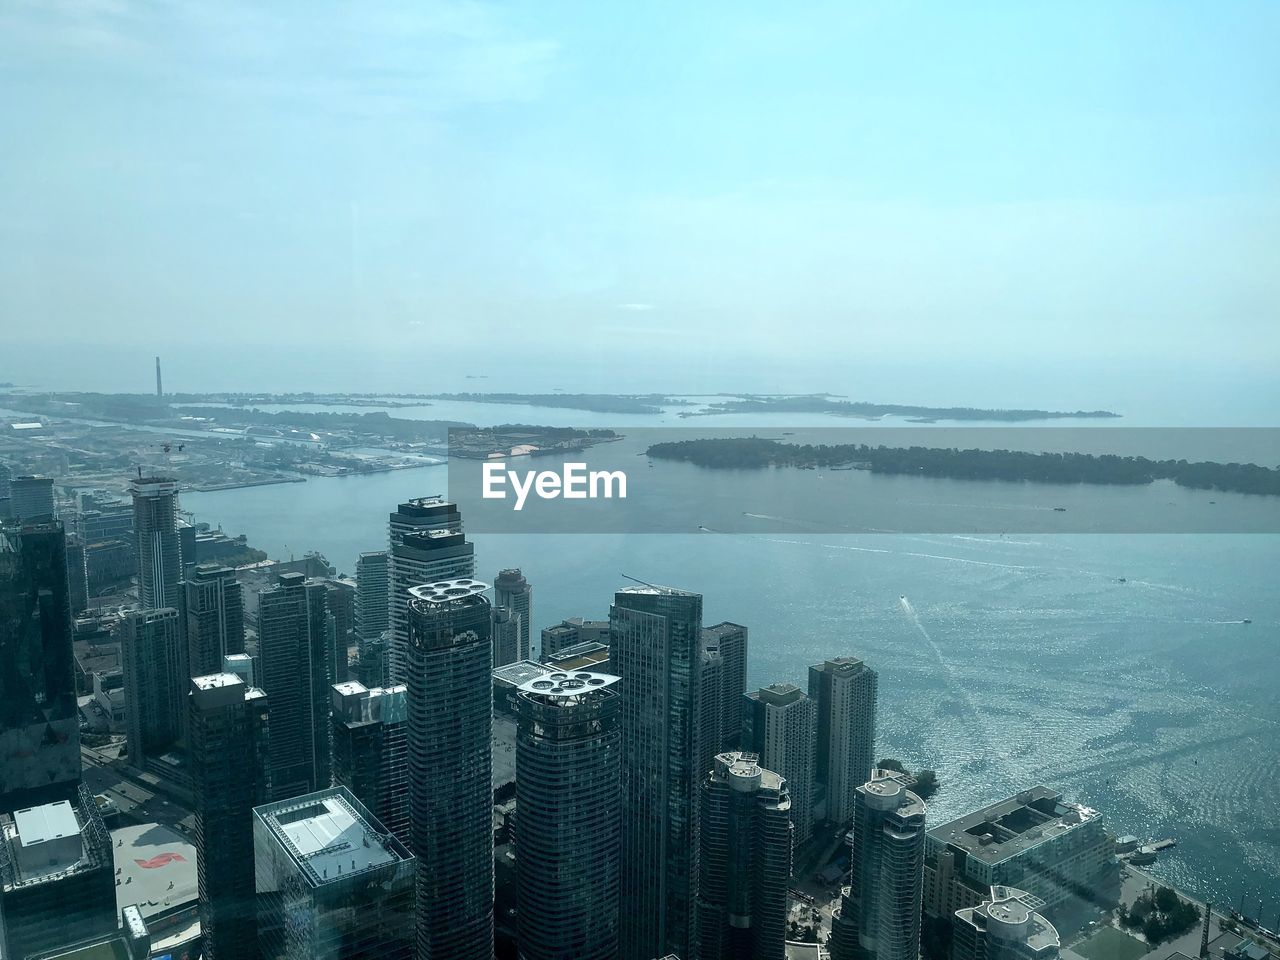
<point>692,185</point>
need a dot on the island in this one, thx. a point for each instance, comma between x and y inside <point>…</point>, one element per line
<point>955,464</point>
<point>826,403</point>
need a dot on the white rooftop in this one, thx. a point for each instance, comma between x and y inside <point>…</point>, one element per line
<point>53,821</point>
<point>327,837</point>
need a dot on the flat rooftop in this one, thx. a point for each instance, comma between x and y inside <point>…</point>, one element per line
<point>327,836</point>
<point>448,591</point>
<point>1011,827</point>
<point>156,869</point>
<point>520,672</point>
<point>53,821</point>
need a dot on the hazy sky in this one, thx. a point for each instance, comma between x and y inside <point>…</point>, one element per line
<point>1091,186</point>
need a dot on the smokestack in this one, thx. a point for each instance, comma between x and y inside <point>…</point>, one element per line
<point>159,388</point>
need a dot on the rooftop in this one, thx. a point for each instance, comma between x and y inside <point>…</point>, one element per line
<point>1011,827</point>
<point>448,591</point>
<point>52,821</point>
<point>560,684</point>
<point>520,672</point>
<point>329,835</point>
<point>156,868</point>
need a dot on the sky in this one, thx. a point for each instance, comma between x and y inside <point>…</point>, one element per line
<point>907,202</point>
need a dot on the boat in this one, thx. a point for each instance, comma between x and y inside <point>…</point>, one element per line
<point>1122,580</point>
<point>1246,620</point>
<point>1059,509</point>
<point>902,596</point>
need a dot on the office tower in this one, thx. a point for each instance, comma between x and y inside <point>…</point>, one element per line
<point>340,598</point>
<point>512,592</point>
<point>844,689</point>
<point>730,641</point>
<point>780,730</point>
<point>571,632</point>
<point>294,640</point>
<point>31,498</point>
<point>711,739</point>
<point>371,750</point>
<point>77,577</point>
<point>187,546</point>
<point>228,741</point>
<point>332,882</point>
<point>214,610</point>
<point>745,861</point>
<point>505,637</point>
<point>155,682</point>
<point>39,722</point>
<point>57,877</point>
<point>657,652</point>
<point>568,832</point>
<point>371,616</point>
<point>426,546</point>
<point>450,768</point>
<point>158,548</point>
<point>1005,926</point>
<point>879,913</point>
<point>1055,850</point>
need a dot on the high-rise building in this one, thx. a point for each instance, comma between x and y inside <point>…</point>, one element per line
<point>427,545</point>
<point>39,721</point>
<point>1005,926</point>
<point>512,592</point>
<point>571,632</point>
<point>158,547</point>
<point>332,882</point>
<point>745,863</point>
<point>340,598</point>
<point>57,876</point>
<point>657,652</point>
<point>228,741</point>
<point>294,641</point>
<point>568,831</point>
<point>1036,841</point>
<point>214,610</point>
<point>844,689</point>
<point>780,730</point>
<point>372,598</point>
<point>371,750</point>
<point>879,913</point>
<point>77,575</point>
<point>155,682</point>
<point>730,641</point>
<point>505,637</point>
<point>31,498</point>
<point>450,766</point>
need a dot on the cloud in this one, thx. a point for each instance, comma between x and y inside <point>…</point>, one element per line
<point>636,307</point>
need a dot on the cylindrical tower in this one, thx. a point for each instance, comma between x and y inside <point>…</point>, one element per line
<point>568,817</point>
<point>448,669</point>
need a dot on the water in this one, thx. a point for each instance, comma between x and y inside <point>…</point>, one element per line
<point>1004,662</point>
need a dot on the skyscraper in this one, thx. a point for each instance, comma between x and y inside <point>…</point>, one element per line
<point>427,545</point>
<point>294,634</point>
<point>31,498</point>
<point>844,689</point>
<point>155,682</point>
<point>511,591</point>
<point>371,750</point>
<point>781,730</point>
<point>505,637</point>
<point>657,651</point>
<point>450,764</point>
<point>228,741</point>
<point>745,863</point>
<point>57,877</point>
<point>214,608</point>
<point>568,825</point>
<point>1005,926</point>
<point>332,882</point>
<point>372,603</point>
<point>730,640</point>
<point>39,722</point>
<point>77,575</point>
<point>158,547</point>
<point>879,913</point>
<point>340,598</point>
